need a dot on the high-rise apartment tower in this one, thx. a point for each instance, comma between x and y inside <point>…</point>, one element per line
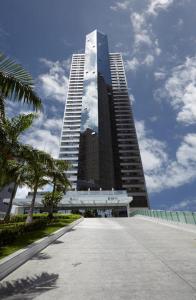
<point>98,136</point>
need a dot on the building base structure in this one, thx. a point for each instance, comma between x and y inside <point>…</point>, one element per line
<point>87,203</point>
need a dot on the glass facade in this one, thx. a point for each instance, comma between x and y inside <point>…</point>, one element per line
<point>95,138</point>
<point>98,136</point>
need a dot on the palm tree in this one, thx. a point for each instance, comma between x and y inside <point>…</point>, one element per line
<point>57,174</point>
<point>39,164</point>
<point>17,172</point>
<point>59,181</point>
<point>16,84</point>
<point>10,146</point>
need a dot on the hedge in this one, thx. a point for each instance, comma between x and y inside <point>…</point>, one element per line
<point>44,216</point>
<point>10,233</point>
<point>16,227</point>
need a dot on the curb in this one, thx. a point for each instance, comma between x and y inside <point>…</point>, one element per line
<point>16,259</point>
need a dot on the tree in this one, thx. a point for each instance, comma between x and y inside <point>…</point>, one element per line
<point>51,200</point>
<point>58,179</point>
<point>17,172</point>
<point>11,130</point>
<point>57,175</point>
<point>39,164</point>
<point>16,84</point>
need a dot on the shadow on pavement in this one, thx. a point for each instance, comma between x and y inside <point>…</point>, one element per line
<point>57,242</point>
<point>40,256</point>
<point>29,287</point>
<point>72,229</point>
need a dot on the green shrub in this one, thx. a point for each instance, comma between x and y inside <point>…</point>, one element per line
<point>35,225</point>
<point>64,216</point>
<point>7,236</point>
<point>43,216</point>
<point>10,233</point>
<point>22,218</point>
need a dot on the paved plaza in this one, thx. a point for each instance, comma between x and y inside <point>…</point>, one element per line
<point>110,259</point>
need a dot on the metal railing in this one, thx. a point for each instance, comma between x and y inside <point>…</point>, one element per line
<point>186,217</point>
<point>97,193</point>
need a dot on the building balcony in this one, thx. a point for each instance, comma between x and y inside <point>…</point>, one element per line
<point>130,163</point>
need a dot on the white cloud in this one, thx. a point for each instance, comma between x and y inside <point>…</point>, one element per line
<point>161,171</point>
<point>146,46</point>
<point>44,134</point>
<point>157,5</point>
<point>159,75</point>
<point>180,89</point>
<point>131,65</point>
<point>186,152</point>
<point>54,83</point>
<point>120,5</point>
<point>153,118</point>
<point>131,98</point>
<point>188,204</point>
<point>140,29</point>
<point>153,151</point>
<point>134,63</point>
<point>90,106</point>
<point>43,139</point>
<point>149,59</point>
<point>57,66</point>
<point>53,124</point>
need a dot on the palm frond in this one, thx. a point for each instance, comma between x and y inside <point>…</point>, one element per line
<point>8,66</point>
<point>16,83</point>
<point>17,125</point>
<point>2,108</point>
<point>35,156</point>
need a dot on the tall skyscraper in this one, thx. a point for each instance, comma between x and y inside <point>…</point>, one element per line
<point>98,136</point>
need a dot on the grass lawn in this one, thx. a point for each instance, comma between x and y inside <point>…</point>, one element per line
<point>31,237</point>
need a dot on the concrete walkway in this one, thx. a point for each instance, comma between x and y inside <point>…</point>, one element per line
<point>110,259</point>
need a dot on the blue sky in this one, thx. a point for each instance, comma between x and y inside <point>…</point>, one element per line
<point>158,42</point>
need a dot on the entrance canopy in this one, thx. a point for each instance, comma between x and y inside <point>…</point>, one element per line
<point>81,200</point>
<point>96,198</point>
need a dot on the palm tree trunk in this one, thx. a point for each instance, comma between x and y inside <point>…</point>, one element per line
<point>30,213</point>
<point>50,214</point>
<point>2,109</point>
<point>7,216</point>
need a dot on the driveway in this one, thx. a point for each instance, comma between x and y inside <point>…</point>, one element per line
<point>110,259</point>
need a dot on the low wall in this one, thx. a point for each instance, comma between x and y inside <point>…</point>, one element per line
<point>186,217</point>
<point>13,261</point>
